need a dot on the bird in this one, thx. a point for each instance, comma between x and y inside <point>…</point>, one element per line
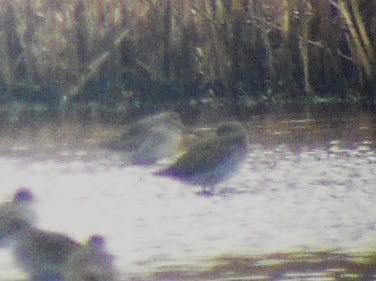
<point>213,160</point>
<point>20,208</point>
<point>150,139</point>
<point>91,262</point>
<point>40,253</point>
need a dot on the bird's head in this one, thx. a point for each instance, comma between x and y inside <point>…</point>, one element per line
<point>23,195</point>
<point>96,241</point>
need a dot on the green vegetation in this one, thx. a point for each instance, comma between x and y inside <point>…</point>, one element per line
<point>126,55</point>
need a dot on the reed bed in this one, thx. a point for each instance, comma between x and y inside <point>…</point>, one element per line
<point>244,54</point>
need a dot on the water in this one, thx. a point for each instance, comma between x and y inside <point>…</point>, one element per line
<point>309,184</point>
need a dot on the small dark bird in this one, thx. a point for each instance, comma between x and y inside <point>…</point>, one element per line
<point>150,139</point>
<point>91,262</point>
<point>212,161</point>
<point>19,209</point>
<point>42,254</point>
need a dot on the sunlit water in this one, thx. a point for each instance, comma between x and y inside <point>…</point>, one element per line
<point>297,192</point>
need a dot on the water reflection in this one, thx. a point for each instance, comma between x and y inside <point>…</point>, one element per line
<point>308,185</point>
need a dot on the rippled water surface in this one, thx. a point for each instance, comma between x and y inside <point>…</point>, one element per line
<point>309,184</point>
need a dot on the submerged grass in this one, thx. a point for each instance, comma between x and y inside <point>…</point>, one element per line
<point>320,265</point>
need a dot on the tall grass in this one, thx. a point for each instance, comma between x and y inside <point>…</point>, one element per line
<point>150,53</point>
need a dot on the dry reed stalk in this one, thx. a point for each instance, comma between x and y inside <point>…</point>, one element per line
<point>352,24</point>
<point>305,48</point>
<point>81,36</point>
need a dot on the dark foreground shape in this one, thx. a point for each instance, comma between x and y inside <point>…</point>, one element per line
<point>91,262</point>
<point>12,212</point>
<point>42,254</point>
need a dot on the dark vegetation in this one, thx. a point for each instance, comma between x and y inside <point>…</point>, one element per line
<point>109,57</point>
<point>324,265</point>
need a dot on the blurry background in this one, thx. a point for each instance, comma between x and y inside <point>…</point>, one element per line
<point>300,74</point>
<point>107,57</point>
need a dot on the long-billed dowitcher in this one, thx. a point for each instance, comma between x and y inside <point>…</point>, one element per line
<point>214,160</point>
<point>150,139</point>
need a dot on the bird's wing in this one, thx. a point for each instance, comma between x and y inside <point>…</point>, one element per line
<point>128,140</point>
<point>200,158</point>
<point>135,134</point>
<point>6,217</point>
<point>147,152</point>
<point>10,215</point>
<point>53,246</point>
